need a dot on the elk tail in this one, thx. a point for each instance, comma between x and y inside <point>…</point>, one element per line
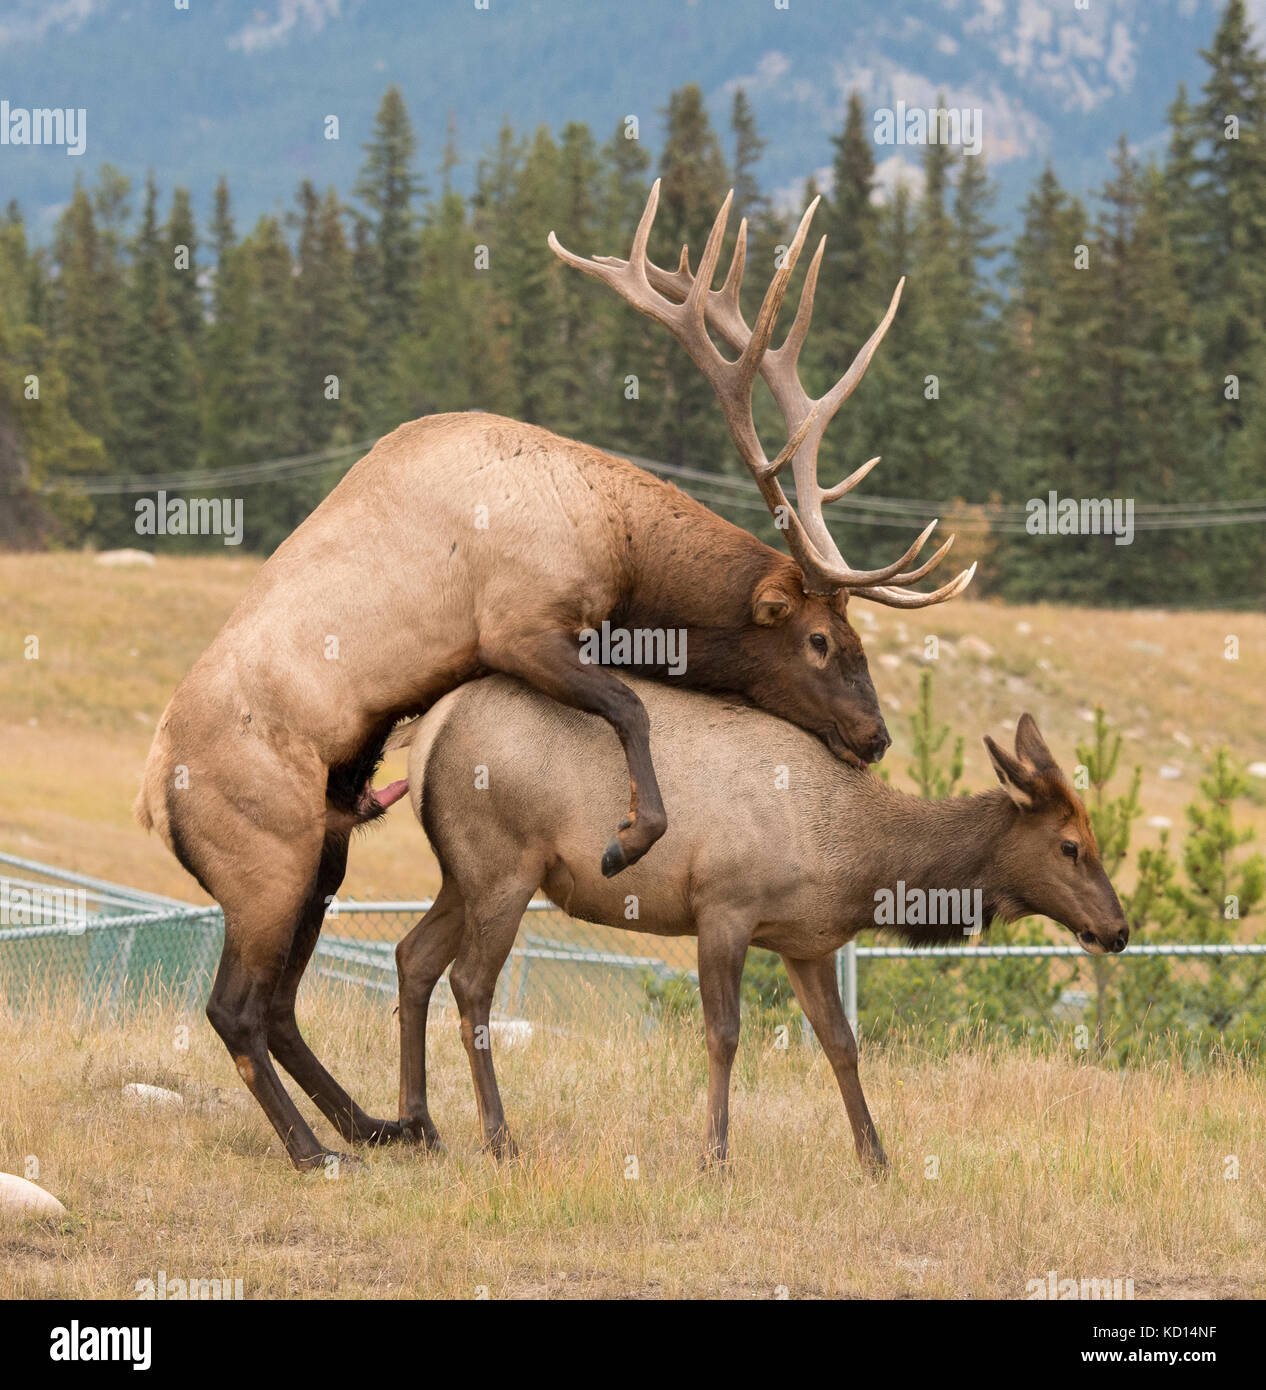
<point>402,735</point>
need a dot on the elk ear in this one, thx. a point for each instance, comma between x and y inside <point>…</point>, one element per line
<point>1017,780</point>
<point>770,606</point>
<point>1031,747</point>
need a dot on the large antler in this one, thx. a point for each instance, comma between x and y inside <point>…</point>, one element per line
<point>688,307</point>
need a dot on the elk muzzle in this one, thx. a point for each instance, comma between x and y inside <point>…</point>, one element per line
<point>1101,941</point>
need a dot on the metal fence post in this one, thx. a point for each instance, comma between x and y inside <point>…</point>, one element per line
<point>846,976</point>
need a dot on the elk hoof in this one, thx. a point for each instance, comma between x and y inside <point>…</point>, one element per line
<point>423,1133</point>
<point>502,1147</point>
<point>614,859</point>
<point>332,1165</point>
<point>877,1166</point>
<point>383,1132</point>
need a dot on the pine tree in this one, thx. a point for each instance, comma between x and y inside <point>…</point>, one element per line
<point>160,392</point>
<point>327,324</point>
<point>632,347</point>
<point>39,435</point>
<point>586,403</point>
<point>183,289</point>
<point>76,313</point>
<point>850,220</point>
<point>687,425</point>
<point>749,145</point>
<point>388,253</point>
<point>459,358</point>
<point>1052,387</point>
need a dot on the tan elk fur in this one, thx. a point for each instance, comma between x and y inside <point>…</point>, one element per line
<point>771,842</point>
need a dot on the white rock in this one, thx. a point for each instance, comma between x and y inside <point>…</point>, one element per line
<point>138,1093</point>
<point>1182,739</point>
<point>889,659</point>
<point>1087,716</point>
<point>1160,822</point>
<point>511,1032</point>
<point>1024,628</point>
<point>125,557</point>
<point>1169,772</point>
<point>21,1200</point>
<point>1257,769</point>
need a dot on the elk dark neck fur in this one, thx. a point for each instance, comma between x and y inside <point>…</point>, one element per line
<point>889,835</point>
<point>692,569</point>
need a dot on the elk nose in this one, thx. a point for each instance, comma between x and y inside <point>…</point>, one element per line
<point>878,746</point>
<point>1118,941</point>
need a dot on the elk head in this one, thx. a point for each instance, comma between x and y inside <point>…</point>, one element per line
<point>799,631</point>
<point>1049,861</point>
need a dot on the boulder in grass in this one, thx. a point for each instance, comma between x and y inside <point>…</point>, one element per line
<point>975,646</point>
<point>21,1200</point>
<point>1257,769</point>
<point>138,1093</point>
<point>511,1032</point>
<point>115,558</point>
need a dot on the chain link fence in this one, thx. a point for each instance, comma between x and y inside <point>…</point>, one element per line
<point>60,930</point>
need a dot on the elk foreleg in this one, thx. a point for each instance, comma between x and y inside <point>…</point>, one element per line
<point>815,986</point>
<point>551,662</point>
<point>723,943</point>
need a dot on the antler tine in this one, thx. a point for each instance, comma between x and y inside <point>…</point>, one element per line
<point>928,565</point>
<point>696,301</point>
<point>756,345</point>
<point>642,237</point>
<point>907,598</point>
<point>847,384</point>
<point>833,494</point>
<point>688,306</point>
<point>866,579</point>
<point>799,329</point>
<point>728,294</point>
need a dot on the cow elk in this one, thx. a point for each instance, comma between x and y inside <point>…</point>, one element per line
<point>772,843</point>
<point>466,544</point>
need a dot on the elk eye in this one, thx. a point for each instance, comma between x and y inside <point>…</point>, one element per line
<point>1070,849</point>
<point>818,642</point>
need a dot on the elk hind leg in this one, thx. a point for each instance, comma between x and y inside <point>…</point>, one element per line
<point>421,958</point>
<point>284,1038</point>
<point>257,942</point>
<point>491,927</point>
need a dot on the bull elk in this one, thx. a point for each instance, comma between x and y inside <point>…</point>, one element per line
<point>772,843</point>
<point>467,544</point>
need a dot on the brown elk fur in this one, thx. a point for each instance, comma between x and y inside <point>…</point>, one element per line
<point>771,843</point>
<point>460,545</point>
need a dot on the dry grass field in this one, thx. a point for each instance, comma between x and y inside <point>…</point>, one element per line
<point>75,724</point>
<point>1006,1166</point>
